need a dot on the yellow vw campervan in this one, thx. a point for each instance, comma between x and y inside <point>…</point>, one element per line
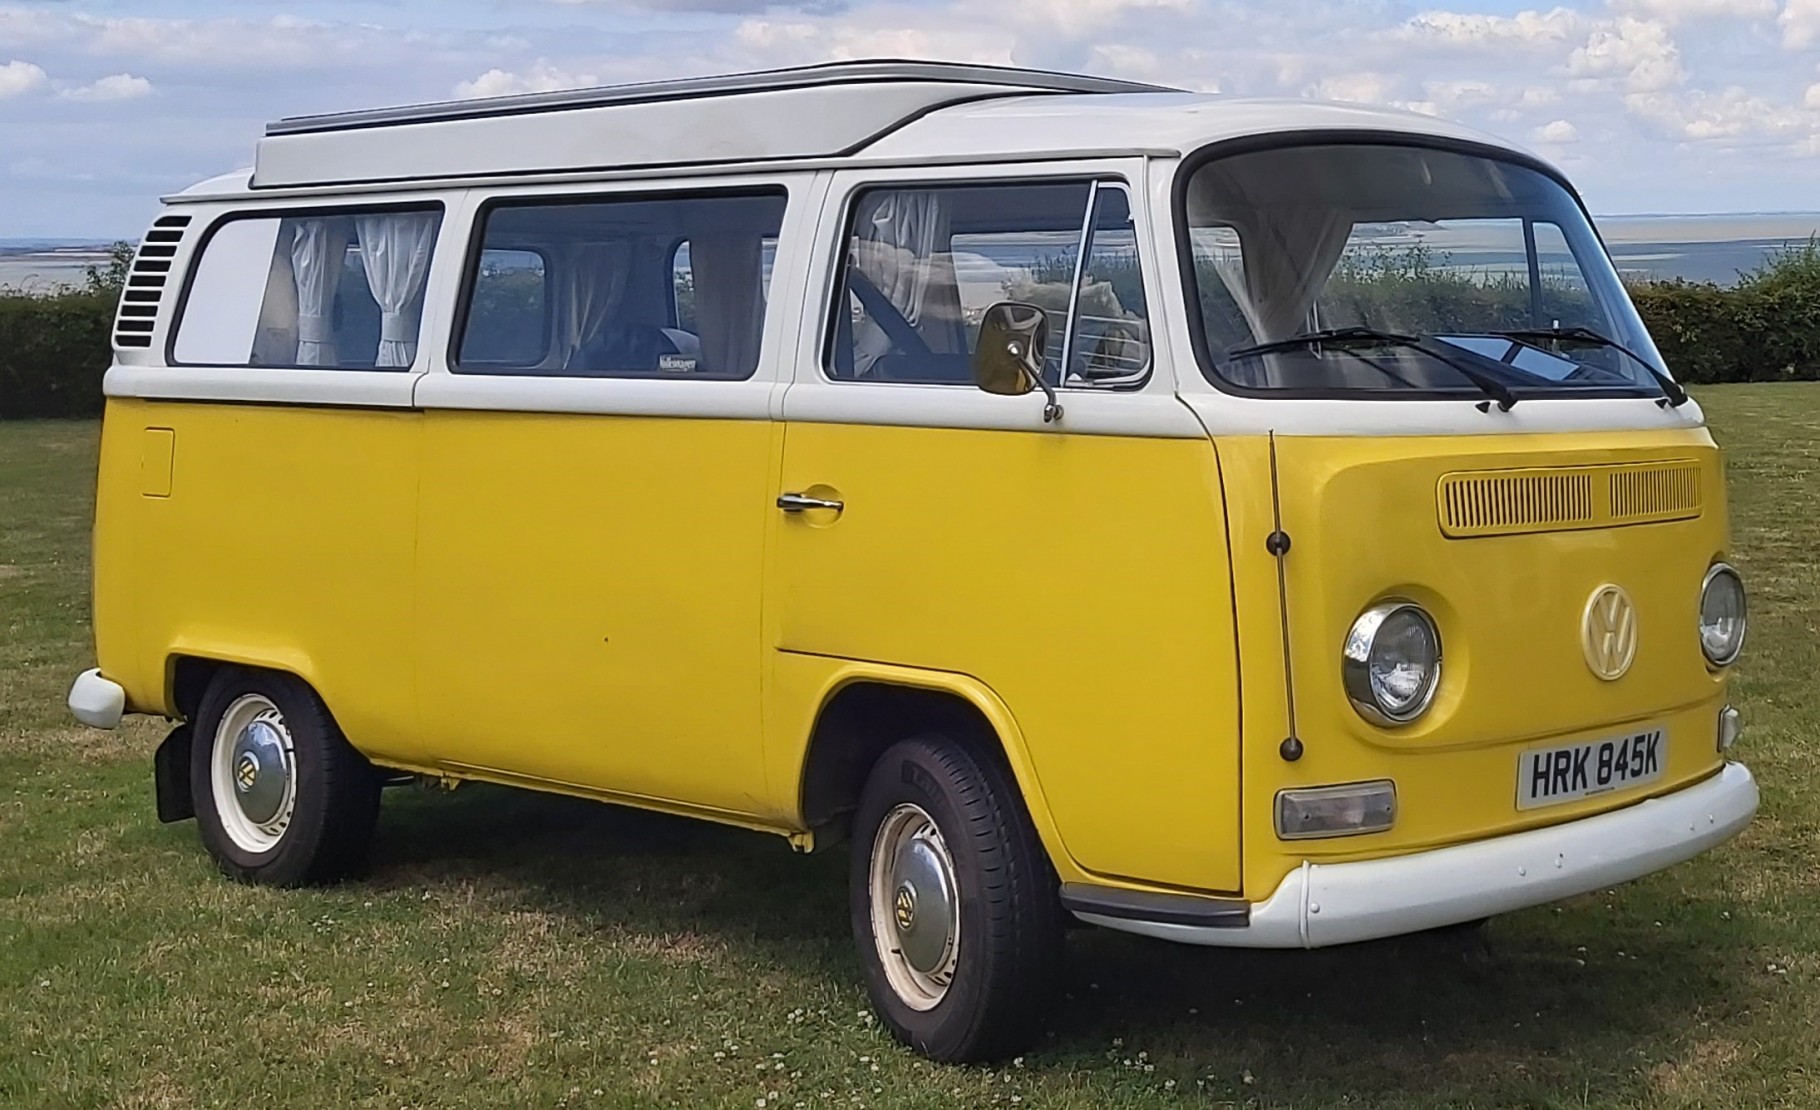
<point>1238,522</point>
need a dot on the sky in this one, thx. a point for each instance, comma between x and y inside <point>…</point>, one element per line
<point>1650,105</point>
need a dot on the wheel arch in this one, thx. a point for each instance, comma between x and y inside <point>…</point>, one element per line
<point>864,709</point>
<point>188,670</point>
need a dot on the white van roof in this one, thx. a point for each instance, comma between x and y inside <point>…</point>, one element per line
<point>888,112</point>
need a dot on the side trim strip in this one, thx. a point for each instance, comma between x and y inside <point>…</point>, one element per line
<point>1167,909</point>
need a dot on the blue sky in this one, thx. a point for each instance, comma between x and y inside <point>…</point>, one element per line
<point>1651,105</point>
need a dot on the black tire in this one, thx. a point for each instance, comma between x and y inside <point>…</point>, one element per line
<point>335,791</point>
<point>1008,956</point>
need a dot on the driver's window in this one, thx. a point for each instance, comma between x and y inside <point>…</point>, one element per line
<point>923,265</point>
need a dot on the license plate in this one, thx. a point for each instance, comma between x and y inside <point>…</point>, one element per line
<point>1551,776</point>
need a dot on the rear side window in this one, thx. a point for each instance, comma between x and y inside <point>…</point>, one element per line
<point>924,265</point>
<point>341,290</point>
<point>631,287</point>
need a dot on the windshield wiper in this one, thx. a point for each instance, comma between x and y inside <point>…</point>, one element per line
<point>1672,394</point>
<point>1342,338</point>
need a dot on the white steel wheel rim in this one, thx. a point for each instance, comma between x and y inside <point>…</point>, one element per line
<point>253,773</point>
<point>915,907</point>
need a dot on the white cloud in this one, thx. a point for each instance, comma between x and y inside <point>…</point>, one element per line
<point>18,78</point>
<point>1731,116</point>
<point>1461,94</point>
<point>540,77</point>
<point>118,86</point>
<point>1638,54</point>
<point>1361,88</point>
<point>1681,11</point>
<point>1800,23</point>
<point>1472,30</point>
<point>1556,131</point>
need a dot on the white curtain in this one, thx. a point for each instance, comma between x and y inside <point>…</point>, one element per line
<point>1289,255</point>
<point>593,290</point>
<point>318,250</point>
<point>395,249</point>
<point>897,236</point>
<point>729,271</point>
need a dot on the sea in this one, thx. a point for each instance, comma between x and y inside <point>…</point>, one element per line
<point>1715,248</point>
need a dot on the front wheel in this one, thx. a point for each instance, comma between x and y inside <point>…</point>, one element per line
<point>953,903</point>
<point>281,797</point>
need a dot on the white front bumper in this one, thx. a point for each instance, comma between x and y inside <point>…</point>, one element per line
<point>97,702</point>
<point>1325,904</point>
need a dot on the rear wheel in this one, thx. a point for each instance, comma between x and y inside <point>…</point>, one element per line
<point>281,797</point>
<point>953,903</point>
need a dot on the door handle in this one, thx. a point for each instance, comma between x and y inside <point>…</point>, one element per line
<point>802,502</point>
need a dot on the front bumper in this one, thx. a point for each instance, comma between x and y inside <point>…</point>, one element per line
<point>1325,904</point>
<point>97,702</point>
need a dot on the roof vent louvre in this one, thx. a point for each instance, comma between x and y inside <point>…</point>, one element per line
<point>146,281</point>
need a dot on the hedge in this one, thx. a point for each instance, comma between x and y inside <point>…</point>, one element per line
<point>55,349</point>
<point>53,353</point>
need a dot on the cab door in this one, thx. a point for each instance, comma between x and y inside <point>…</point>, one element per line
<point>595,496</point>
<point>1077,568</point>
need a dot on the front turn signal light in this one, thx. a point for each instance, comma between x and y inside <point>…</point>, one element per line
<point>1349,810</point>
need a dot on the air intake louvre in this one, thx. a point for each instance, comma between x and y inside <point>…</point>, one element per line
<point>145,283</point>
<point>1559,499</point>
<point>1658,491</point>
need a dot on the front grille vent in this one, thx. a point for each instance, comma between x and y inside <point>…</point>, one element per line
<point>146,282</point>
<point>1655,491</point>
<point>1560,499</point>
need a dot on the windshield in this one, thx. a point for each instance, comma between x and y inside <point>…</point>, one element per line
<point>1490,266</point>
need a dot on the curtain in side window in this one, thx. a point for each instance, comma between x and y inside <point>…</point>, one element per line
<point>902,244</point>
<point>595,288</point>
<point>729,300</point>
<point>395,249</point>
<point>317,251</point>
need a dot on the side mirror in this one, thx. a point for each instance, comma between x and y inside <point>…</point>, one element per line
<point>1008,360</point>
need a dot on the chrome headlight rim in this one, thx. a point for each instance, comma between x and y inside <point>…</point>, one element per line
<point>1355,664</point>
<point>1737,648</point>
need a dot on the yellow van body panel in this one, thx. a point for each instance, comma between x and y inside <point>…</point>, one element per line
<point>276,536</point>
<point>589,591</point>
<point>613,607</point>
<point>1080,578</point>
<point>1362,516</point>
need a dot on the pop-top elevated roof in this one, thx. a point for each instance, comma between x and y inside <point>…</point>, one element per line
<point>807,112</point>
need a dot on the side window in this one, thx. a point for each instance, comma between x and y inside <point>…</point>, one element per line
<point>334,291</point>
<point>509,315</point>
<point>1111,339</point>
<point>628,287</point>
<point>924,265</point>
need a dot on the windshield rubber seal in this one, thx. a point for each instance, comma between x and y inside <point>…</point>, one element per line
<point>1284,140</point>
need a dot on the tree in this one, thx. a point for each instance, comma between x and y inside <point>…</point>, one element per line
<point>111,277</point>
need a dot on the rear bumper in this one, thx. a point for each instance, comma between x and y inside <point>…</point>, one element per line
<point>1325,904</point>
<point>97,702</point>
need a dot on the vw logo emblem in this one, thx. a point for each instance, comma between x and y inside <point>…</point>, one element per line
<point>1608,632</point>
<point>904,907</point>
<point>246,771</point>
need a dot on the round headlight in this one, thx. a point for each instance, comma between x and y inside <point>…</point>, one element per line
<point>1392,663</point>
<point>1722,615</point>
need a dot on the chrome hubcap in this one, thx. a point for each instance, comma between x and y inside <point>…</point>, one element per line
<point>261,776</point>
<point>915,912</point>
<point>254,772</point>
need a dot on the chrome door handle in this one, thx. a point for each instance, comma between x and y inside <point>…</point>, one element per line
<point>802,502</point>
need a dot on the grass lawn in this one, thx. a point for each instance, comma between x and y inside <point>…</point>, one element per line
<point>516,950</point>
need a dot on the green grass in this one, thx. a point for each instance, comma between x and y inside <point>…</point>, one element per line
<point>516,950</point>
